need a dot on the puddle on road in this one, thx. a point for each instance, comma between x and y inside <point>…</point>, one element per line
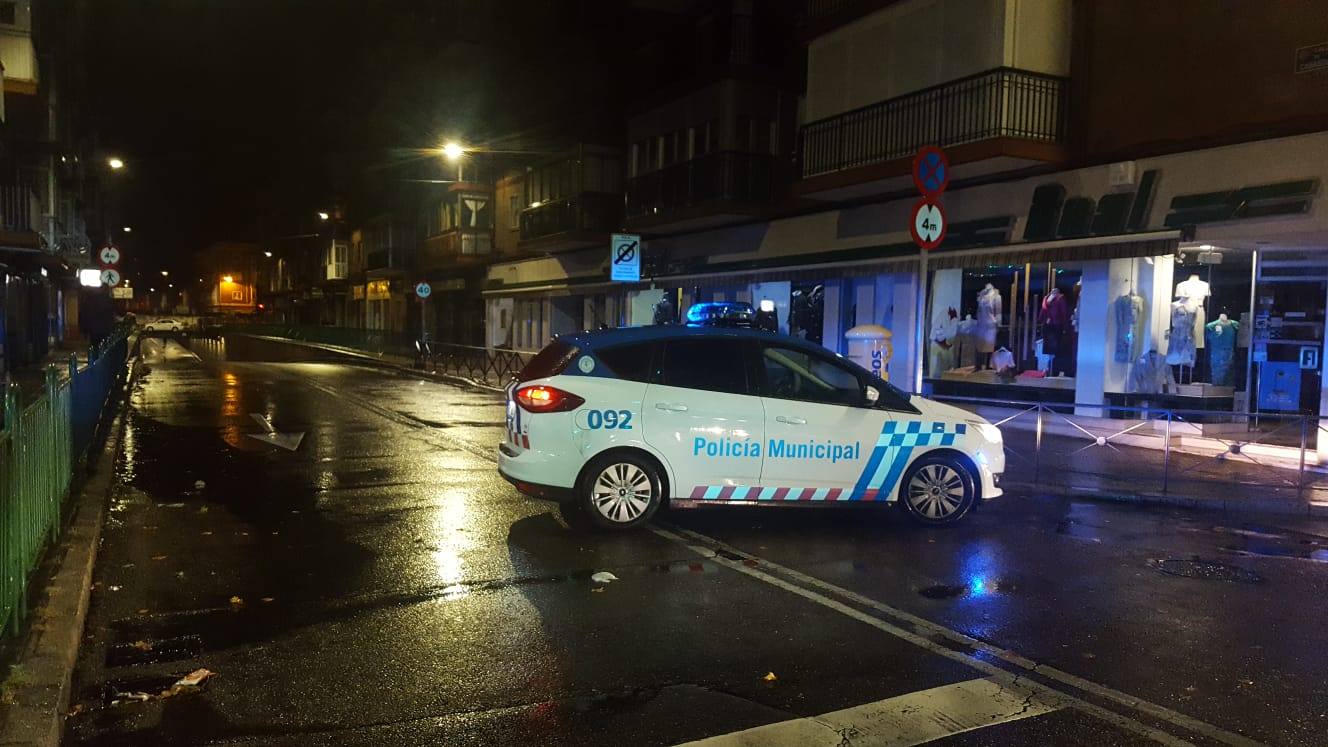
<point>1254,550</point>
<point>975,588</point>
<point>154,651</point>
<point>1207,570</point>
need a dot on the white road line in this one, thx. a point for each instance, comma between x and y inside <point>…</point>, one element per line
<point>915,718</point>
<point>930,628</point>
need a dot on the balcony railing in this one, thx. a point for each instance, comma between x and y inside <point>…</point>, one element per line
<point>589,212</point>
<point>1004,102</point>
<point>726,175</point>
<point>20,208</point>
<point>445,248</point>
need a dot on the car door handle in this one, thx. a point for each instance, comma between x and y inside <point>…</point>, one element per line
<point>790,420</point>
<point>670,407</point>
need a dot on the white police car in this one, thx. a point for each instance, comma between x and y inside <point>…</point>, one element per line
<point>614,423</point>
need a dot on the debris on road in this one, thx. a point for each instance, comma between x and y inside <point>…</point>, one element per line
<point>603,577</point>
<point>142,645</point>
<point>194,678</point>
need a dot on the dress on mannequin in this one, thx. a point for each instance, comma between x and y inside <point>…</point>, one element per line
<point>1222,333</point>
<point>1180,342</point>
<point>1053,317</point>
<point>1194,291</point>
<point>989,318</point>
<point>1150,374</point>
<point>942,350</point>
<point>1129,327</point>
<point>967,336</point>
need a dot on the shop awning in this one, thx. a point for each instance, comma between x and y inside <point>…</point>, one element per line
<point>1151,244</point>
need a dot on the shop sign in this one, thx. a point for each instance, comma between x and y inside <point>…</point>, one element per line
<point>122,293</point>
<point>1260,201</point>
<point>357,293</point>
<point>378,290</point>
<point>1312,58</point>
<point>1309,357</point>
<point>1053,215</point>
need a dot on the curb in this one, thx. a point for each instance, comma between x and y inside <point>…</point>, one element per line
<point>1238,505</point>
<point>49,653</point>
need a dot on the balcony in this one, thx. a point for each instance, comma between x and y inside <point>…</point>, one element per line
<point>380,259</point>
<point>710,190</point>
<point>20,209</point>
<point>999,120</point>
<point>456,247</point>
<point>571,223</point>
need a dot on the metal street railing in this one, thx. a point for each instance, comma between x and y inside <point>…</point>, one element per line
<point>488,366</point>
<point>1200,454</point>
<point>41,442</point>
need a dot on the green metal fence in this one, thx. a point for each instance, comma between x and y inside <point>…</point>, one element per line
<point>39,450</point>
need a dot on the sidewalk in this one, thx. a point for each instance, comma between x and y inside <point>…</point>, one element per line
<point>31,379</point>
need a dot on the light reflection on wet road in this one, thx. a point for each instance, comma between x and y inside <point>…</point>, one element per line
<point>393,589</point>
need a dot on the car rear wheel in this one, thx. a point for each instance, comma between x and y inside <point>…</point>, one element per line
<point>620,491</point>
<point>937,490</point>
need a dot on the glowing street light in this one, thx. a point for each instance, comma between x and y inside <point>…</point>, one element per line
<point>115,163</point>
<point>165,273</point>
<point>128,229</point>
<point>453,151</point>
<point>267,254</point>
<point>322,215</point>
<point>228,279</point>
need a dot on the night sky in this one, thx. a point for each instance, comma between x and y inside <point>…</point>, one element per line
<point>241,118</point>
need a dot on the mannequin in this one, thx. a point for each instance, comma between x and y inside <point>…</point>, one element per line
<point>989,318</point>
<point>1150,374</point>
<point>943,350</point>
<point>1130,312</point>
<point>1194,292</point>
<point>1055,318</point>
<point>966,336</point>
<point>1180,345</point>
<point>1222,334</point>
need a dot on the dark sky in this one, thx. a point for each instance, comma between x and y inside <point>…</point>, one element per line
<point>240,118</point>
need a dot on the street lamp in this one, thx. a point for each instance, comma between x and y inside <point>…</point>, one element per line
<point>228,278</point>
<point>115,163</point>
<point>165,273</point>
<point>453,151</point>
<point>267,254</point>
<point>128,229</point>
<point>322,215</point>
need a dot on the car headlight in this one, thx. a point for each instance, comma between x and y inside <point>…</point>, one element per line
<point>989,432</point>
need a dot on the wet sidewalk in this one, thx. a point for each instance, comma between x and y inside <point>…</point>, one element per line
<point>31,379</point>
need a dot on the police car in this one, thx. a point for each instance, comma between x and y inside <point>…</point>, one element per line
<point>613,424</point>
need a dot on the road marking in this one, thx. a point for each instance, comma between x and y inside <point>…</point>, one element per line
<point>927,628</point>
<point>930,628</point>
<point>911,719</point>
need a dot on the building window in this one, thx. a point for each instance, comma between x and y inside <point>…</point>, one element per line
<point>705,139</point>
<point>8,13</point>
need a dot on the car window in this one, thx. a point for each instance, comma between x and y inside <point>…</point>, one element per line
<point>790,373</point>
<point>630,362</point>
<point>715,365</point>
<point>548,362</point>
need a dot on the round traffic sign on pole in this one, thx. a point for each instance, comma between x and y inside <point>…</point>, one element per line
<point>928,224</point>
<point>110,277</point>
<point>423,290</point>
<point>109,255</point>
<point>931,171</point>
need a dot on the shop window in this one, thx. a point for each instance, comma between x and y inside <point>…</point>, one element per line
<point>807,312</point>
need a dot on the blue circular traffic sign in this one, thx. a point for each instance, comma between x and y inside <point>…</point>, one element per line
<point>423,290</point>
<point>931,171</point>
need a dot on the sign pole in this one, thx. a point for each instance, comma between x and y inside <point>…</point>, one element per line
<point>931,175</point>
<point>919,331</point>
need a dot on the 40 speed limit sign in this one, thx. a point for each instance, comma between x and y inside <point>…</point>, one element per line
<point>928,224</point>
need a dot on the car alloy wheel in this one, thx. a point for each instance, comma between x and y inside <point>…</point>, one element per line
<point>622,492</point>
<point>938,489</point>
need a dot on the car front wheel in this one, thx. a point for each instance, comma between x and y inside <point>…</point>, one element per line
<point>620,491</point>
<point>938,490</point>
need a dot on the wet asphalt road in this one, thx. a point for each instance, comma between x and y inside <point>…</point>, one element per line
<point>381,584</point>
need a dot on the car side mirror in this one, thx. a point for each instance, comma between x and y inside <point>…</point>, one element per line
<point>872,395</point>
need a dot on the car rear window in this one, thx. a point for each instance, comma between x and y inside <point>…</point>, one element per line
<point>548,362</point>
<point>630,362</point>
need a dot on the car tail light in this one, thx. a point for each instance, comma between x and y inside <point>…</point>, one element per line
<point>547,399</point>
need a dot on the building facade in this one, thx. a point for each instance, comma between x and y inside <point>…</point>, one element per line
<point>1121,228</point>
